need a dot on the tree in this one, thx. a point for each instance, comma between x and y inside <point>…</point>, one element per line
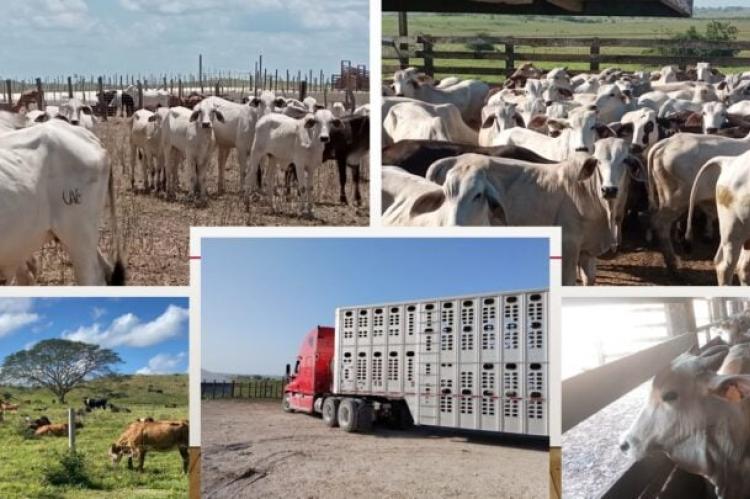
<point>715,31</point>
<point>58,365</point>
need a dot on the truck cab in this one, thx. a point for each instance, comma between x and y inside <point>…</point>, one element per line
<point>312,376</point>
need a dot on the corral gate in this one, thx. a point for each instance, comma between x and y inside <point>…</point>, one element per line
<point>478,362</point>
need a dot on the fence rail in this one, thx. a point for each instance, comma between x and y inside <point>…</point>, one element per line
<point>404,48</point>
<point>260,389</point>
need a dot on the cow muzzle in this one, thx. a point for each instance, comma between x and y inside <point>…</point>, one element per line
<point>74,122</point>
<point>582,149</point>
<point>206,125</point>
<point>324,139</point>
<point>609,192</point>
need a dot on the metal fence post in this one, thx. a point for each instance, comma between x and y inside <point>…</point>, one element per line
<point>71,429</point>
<point>39,95</point>
<point>100,98</point>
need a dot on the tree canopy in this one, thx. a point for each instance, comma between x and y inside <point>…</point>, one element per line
<point>58,365</point>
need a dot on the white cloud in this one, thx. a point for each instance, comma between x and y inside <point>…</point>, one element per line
<point>98,312</point>
<point>128,330</point>
<point>16,313</point>
<point>163,363</point>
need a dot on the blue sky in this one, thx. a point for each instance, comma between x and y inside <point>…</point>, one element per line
<point>260,296</point>
<point>149,334</point>
<point>63,37</point>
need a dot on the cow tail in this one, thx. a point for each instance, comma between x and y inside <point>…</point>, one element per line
<point>689,230</point>
<point>117,278</point>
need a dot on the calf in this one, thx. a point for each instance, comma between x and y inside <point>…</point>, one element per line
<point>95,403</point>
<point>76,112</point>
<point>291,141</point>
<point>52,430</point>
<point>466,198</point>
<point>496,118</point>
<point>188,134</point>
<point>144,143</point>
<point>700,419</point>
<point>146,436</point>
<point>60,180</point>
<point>349,145</point>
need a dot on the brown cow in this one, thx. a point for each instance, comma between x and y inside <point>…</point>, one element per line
<point>143,436</point>
<point>52,430</point>
<point>5,406</point>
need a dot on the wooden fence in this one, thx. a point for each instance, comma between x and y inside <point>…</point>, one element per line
<point>598,52</point>
<point>254,389</point>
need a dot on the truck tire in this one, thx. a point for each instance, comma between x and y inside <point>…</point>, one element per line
<point>365,415</point>
<point>330,412</point>
<point>285,406</point>
<point>347,415</point>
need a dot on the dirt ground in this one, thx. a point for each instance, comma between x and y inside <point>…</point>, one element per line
<point>253,449</point>
<point>156,232</point>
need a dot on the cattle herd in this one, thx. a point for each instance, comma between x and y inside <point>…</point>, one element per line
<point>696,414</point>
<point>57,176</point>
<point>587,152</point>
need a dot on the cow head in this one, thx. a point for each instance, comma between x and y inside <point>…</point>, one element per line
<point>642,127</point>
<point>319,125</point>
<point>206,116</point>
<point>500,116</point>
<point>714,116</point>
<point>610,103</point>
<point>581,129</point>
<point>115,453</point>
<point>531,108</point>
<point>73,109</point>
<point>703,72</point>
<point>406,82</point>
<point>693,415</point>
<point>613,156</point>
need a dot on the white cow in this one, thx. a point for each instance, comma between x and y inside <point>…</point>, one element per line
<point>56,180</point>
<point>409,119</point>
<point>732,194</point>
<point>578,194</point>
<point>338,109</point>
<point>144,139</point>
<point>286,140</point>
<point>700,419</point>
<point>673,164</point>
<point>495,119</point>
<point>235,130</point>
<point>188,134</point>
<point>468,95</point>
<point>643,128</point>
<point>465,198</point>
<point>578,133</point>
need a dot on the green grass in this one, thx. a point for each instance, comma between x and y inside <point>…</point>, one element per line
<point>555,26</point>
<point>22,461</point>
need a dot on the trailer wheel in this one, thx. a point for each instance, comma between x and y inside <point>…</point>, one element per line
<point>348,415</point>
<point>365,415</point>
<point>330,412</point>
<point>285,406</point>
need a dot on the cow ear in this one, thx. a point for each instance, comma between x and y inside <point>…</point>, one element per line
<point>712,358</point>
<point>722,85</point>
<point>488,121</point>
<point>565,92</point>
<point>428,202</point>
<point>41,118</point>
<point>694,120</point>
<point>318,107</point>
<point>732,388</point>
<point>309,122</point>
<point>87,110</point>
<point>518,119</point>
<point>635,165</point>
<point>588,168</point>
<point>152,118</point>
<point>194,115</point>
<point>622,130</point>
<point>557,123</point>
<point>279,102</point>
<point>336,122</point>
<point>219,115</point>
<point>254,102</point>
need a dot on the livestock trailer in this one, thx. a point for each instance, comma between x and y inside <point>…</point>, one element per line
<point>478,362</point>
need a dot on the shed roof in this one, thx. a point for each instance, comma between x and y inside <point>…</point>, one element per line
<point>663,8</point>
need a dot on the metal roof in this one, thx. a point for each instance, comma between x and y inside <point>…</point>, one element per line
<point>662,8</point>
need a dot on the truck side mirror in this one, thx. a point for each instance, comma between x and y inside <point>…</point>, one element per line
<point>288,370</point>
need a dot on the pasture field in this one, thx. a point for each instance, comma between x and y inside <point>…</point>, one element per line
<point>22,460</point>
<point>253,449</point>
<point>156,232</point>
<point>556,26</point>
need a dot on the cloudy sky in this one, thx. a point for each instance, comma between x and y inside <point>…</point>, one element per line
<point>149,334</point>
<point>64,37</point>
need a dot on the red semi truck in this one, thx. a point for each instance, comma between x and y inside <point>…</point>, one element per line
<point>476,362</point>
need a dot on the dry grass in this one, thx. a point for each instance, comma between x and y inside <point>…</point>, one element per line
<point>156,232</point>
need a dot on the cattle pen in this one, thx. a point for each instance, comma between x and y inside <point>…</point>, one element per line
<point>604,390</point>
<point>243,389</point>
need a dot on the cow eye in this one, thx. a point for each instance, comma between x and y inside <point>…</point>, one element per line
<point>478,196</point>
<point>669,396</point>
